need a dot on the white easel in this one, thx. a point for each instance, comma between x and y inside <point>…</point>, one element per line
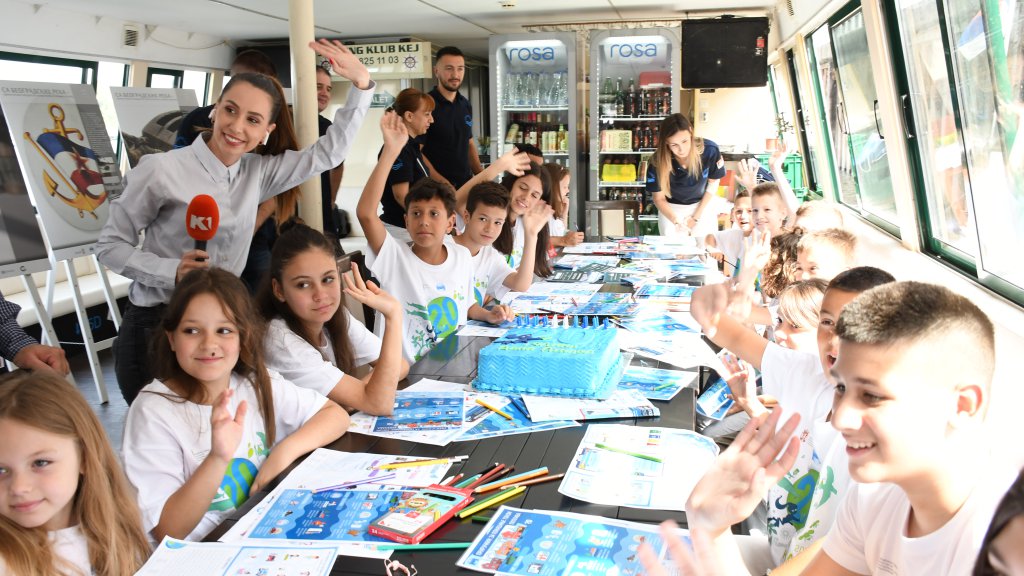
<point>25,269</point>
<point>92,347</point>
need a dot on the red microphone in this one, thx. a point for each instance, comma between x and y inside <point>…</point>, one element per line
<point>202,219</point>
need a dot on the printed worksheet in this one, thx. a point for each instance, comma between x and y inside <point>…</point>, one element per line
<point>519,542</point>
<point>654,468</point>
<point>423,411</point>
<point>174,557</point>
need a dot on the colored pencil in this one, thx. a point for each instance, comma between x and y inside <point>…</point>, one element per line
<point>438,546</point>
<point>413,463</point>
<point>480,519</point>
<point>539,480</point>
<point>512,480</point>
<point>489,468</point>
<point>505,415</point>
<point>628,453</point>
<point>467,481</point>
<point>451,481</point>
<point>487,476</point>
<point>511,492</point>
<point>351,483</point>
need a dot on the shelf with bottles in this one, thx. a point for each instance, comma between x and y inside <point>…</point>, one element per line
<point>651,100</point>
<point>546,131</point>
<point>613,184</point>
<point>535,108</point>
<point>545,89</point>
<point>645,118</point>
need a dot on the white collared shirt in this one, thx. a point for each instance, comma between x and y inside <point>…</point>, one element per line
<point>158,191</point>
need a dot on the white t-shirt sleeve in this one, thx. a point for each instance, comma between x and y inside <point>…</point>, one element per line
<point>293,405</point>
<point>556,227</point>
<point>299,362</point>
<point>497,271</point>
<point>365,344</point>
<point>791,376</point>
<point>154,458</point>
<point>845,542</point>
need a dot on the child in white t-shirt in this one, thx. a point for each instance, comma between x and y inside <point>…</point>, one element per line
<point>192,447</point>
<point>431,279</point>
<point>312,340</point>
<point>802,505</point>
<point>64,497</point>
<point>559,223</point>
<point>525,192</point>
<point>485,212</point>
<point>727,246</point>
<point>913,375</point>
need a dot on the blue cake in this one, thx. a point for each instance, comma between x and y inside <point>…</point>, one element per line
<point>552,361</point>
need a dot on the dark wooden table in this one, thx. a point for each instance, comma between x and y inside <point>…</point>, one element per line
<point>455,360</point>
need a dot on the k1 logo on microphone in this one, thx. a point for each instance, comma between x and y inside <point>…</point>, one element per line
<point>204,223</point>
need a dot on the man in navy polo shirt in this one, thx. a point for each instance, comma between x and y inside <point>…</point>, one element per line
<point>448,148</point>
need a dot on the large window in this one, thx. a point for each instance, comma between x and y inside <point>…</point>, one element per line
<point>987,43</point>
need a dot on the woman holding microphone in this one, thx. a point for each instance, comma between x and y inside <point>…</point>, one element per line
<point>220,164</point>
<point>683,177</point>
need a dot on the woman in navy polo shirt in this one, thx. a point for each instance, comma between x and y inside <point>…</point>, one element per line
<point>415,108</point>
<point>692,167</point>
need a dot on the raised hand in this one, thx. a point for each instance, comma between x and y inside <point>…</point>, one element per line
<point>572,238</point>
<point>778,158</point>
<point>343,62</point>
<point>394,131</point>
<point>703,560</point>
<point>746,172</point>
<point>370,294</point>
<point>537,218</point>
<point>226,429</point>
<point>514,162</point>
<point>743,384</point>
<point>707,305</point>
<point>740,477</point>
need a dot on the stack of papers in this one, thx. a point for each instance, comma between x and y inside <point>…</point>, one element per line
<point>174,557</point>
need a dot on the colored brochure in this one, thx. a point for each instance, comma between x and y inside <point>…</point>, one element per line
<point>655,383</point>
<point>174,557</point>
<point>570,276</point>
<point>423,411</point>
<point>654,468</point>
<point>680,349</point>
<point>495,424</point>
<point>715,402</point>
<point>664,291</point>
<point>656,321</point>
<point>621,404</point>
<point>603,309</point>
<point>290,514</point>
<point>592,248</point>
<point>479,328</point>
<point>574,261</point>
<point>649,255</point>
<point>519,542</point>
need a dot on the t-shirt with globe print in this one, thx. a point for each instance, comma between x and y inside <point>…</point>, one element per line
<point>490,269</point>
<point>435,298</point>
<point>802,506</point>
<point>167,438</point>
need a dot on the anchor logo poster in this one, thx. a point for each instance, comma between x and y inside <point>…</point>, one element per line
<point>66,157</point>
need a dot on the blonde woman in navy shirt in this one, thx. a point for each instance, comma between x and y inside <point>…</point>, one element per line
<point>691,167</point>
<point>158,191</point>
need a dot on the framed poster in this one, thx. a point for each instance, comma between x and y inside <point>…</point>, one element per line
<point>67,160</point>
<point>149,118</point>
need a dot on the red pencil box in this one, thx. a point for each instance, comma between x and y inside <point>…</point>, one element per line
<point>420,514</point>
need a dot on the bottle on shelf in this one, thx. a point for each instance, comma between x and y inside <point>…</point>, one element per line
<point>606,100</point>
<point>620,98</point>
<point>648,136</point>
<point>631,100</point>
<point>637,137</point>
<point>563,139</point>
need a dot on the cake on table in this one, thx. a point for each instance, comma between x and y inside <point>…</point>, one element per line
<point>552,360</point>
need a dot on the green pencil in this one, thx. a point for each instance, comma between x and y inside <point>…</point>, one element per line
<point>439,546</point>
<point>480,519</point>
<point>628,453</point>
